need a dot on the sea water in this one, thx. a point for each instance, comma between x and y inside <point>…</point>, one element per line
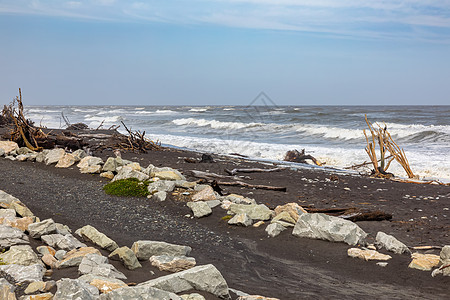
<point>332,134</point>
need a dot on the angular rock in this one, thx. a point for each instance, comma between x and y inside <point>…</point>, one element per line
<point>367,254</point>
<point>20,255</point>
<point>91,234</point>
<point>74,289</point>
<point>112,163</point>
<point>241,219</point>
<point>65,242</point>
<point>127,172</point>
<point>11,236</point>
<point>107,174</point>
<point>50,261</point>
<point>59,255</point>
<point>127,256</point>
<point>21,209</point>
<point>167,173</point>
<point>53,156</point>
<point>329,228</point>
<point>34,287</point>
<point>22,274</point>
<point>200,208</point>
<point>172,263</point>
<point>444,255</point>
<point>201,278</point>
<point>213,203</point>
<point>285,217</point>
<point>106,285</point>
<point>46,227</point>
<point>62,229</point>
<point>293,209</point>
<point>8,214</point>
<point>44,296</point>
<point>79,154</point>
<point>139,292</point>
<point>185,184</point>
<point>239,199</point>
<point>19,223</point>
<point>193,296</point>
<point>45,250</point>
<point>90,165</point>
<point>146,249</point>
<point>98,265</point>
<point>159,196</point>
<point>24,150</point>
<point>390,243</point>
<point>274,229</point>
<point>161,186</point>
<point>6,289</point>
<point>254,211</point>
<point>424,262</point>
<point>2,152</point>
<point>96,169</point>
<point>66,161</point>
<point>205,194</point>
<point>73,258</point>
<point>8,146</point>
<point>40,157</point>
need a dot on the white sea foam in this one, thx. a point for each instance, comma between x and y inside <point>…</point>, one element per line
<point>198,109</point>
<point>214,124</point>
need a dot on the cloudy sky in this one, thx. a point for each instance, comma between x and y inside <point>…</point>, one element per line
<point>178,52</point>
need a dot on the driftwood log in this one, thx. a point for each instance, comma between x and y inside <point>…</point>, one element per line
<point>352,214</point>
<point>252,170</point>
<point>300,157</point>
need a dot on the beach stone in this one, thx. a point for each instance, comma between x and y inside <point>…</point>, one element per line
<point>259,223</point>
<point>274,229</point>
<point>67,160</point>
<point>79,154</point>
<point>91,234</point>
<point>75,289</point>
<point>19,223</point>
<point>24,151</point>
<point>161,186</point>
<point>6,289</point>
<point>213,203</point>
<point>50,260</point>
<point>240,219</point>
<point>44,296</point>
<point>53,156</point>
<point>390,243</point>
<point>106,285</point>
<point>98,265</point>
<point>22,274</point>
<point>284,224</point>
<point>238,199</point>
<point>59,255</point>
<point>193,296</point>
<point>8,146</point>
<point>40,157</point>
<point>285,217</point>
<point>65,242</point>
<point>444,255</point>
<point>145,249</point>
<point>21,209</point>
<point>62,229</point>
<point>74,257</point>
<point>8,214</point>
<point>112,163</point>
<point>172,263</point>
<point>38,229</point>
<point>107,174</point>
<point>205,194</point>
<point>20,255</point>
<point>200,208</point>
<point>200,187</point>
<point>424,262</point>
<point>139,292</point>
<point>293,209</point>
<point>201,278</point>
<point>324,227</point>
<point>127,256</point>
<point>185,184</point>
<point>127,172</point>
<point>135,166</point>
<point>159,196</point>
<point>258,212</point>
<point>46,250</point>
<point>10,236</point>
<point>96,169</point>
<point>367,254</point>
<point>34,287</point>
<point>90,165</point>
<point>21,157</point>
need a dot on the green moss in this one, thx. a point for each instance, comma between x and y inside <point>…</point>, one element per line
<point>227,217</point>
<point>130,187</point>
<point>1,262</point>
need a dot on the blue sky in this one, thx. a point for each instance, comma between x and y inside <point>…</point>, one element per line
<point>225,52</point>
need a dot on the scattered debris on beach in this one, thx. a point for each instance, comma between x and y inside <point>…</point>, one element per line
<point>301,157</point>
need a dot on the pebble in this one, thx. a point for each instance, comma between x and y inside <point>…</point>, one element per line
<point>382,264</point>
<point>347,189</point>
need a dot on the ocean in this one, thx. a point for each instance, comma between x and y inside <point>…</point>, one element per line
<point>332,134</point>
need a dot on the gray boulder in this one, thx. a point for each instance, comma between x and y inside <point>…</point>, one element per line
<point>65,242</point>
<point>112,163</point>
<point>200,208</point>
<point>91,234</point>
<point>324,227</point>
<point>40,157</point>
<point>127,256</point>
<point>11,236</point>
<point>390,243</point>
<point>201,278</point>
<point>90,164</point>
<point>79,154</point>
<point>146,249</point>
<point>46,227</point>
<point>98,265</point>
<point>159,196</point>
<point>74,289</point>
<point>20,255</point>
<point>172,263</point>
<point>9,214</point>
<point>22,274</point>
<point>254,211</point>
<point>139,293</point>
<point>241,219</point>
<point>53,156</point>
<point>161,186</point>
<point>274,229</point>
<point>127,172</point>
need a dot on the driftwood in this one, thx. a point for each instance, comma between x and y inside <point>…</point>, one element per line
<point>253,186</point>
<point>300,157</point>
<point>252,170</point>
<point>212,176</point>
<point>426,247</point>
<point>352,214</point>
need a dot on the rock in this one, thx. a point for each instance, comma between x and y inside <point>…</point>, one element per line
<point>293,209</point>
<point>127,256</point>
<point>284,224</point>
<point>108,174</point>
<point>62,229</point>
<point>146,249</point>
<point>8,214</point>
<point>98,265</point>
<point>73,258</point>
<point>59,255</point>
<point>238,199</point>
<point>200,187</point>
<point>20,255</point>
<point>74,289</point>
<point>34,287</point>
<point>241,219</point>
<point>185,184</point>
<point>254,211</point>
<point>285,217</point>
<point>127,172</point>
<point>201,278</point>
<point>213,203</point>
<point>22,274</point>
<point>40,157</point>
<point>19,223</point>
<point>382,264</point>
<point>274,229</point>
<point>259,223</point>
<point>167,174</point>
<point>44,296</point>
<point>324,227</point>
<point>8,146</point>
<point>159,196</point>
<point>6,288</point>
<point>134,166</point>
<point>79,154</point>
<point>53,156</point>
<point>424,262</point>
<point>11,236</point>
<point>90,165</point>
<point>46,227</point>
<point>139,292</point>
<point>46,250</point>
<point>21,209</point>
<point>112,163</point>
<point>23,151</point>
<point>255,297</point>
<point>200,209</point>
<point>66,161</point>
<point>193,296</point>
<point>21,157</point>
<point>172,263</point>
<point>161,186</point>
<point>107,285</point>
<point>390,243</point>
<point>65,242</point>
<point>444,255</point>
<point>50,261</point>
<point>2,153</point>
<point>367,254</point>
<point>205,194</point>
<point>91,234</point>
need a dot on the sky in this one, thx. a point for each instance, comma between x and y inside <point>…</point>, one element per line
<point>225,52</point>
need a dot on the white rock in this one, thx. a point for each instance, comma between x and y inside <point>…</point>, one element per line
<point>20,255</point>
<point>91,234</point>
<point>74,289</point>
<point>36,230</point>
<point>390,243</point>
<point>98,265</point>
<point>22,274</point>
<point>11,236</point>
<point>172,263</point>
<point>127,172</point>
<point>200,209</point>
<point>274,229</point>
<point>53,156</point>
<point>159,196</point>
<point>241,219</point>
<point>254,211</point>
<point>146,249</point>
